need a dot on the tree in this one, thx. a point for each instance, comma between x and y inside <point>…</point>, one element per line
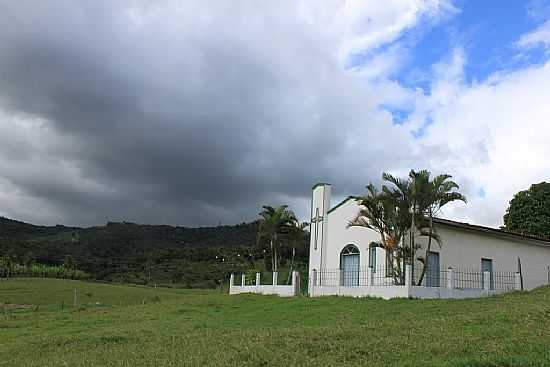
<point>406,207</point>
<point>68,263</point>
<point>272,222</point>
<point>382,211</point>
<point>433,195</point>
<point>529,211</point>
<point>6,266</point>
<point>296,235</point>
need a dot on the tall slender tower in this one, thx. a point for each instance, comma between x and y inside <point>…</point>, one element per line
<point>320,204</point>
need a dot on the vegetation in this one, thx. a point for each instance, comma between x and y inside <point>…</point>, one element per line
<point>406,209</point>
<point>139,326</point>
<point>142,254</point>
<point>529,212</point>
<point>432,196</point>
<point>9,269</point>
<point>271,225</point>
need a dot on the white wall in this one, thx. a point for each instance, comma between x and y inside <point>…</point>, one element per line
<point>273,289</point>
<point>362,291</point>
<point>402,292</point>
<point>339,236</point>
<point>463,247</point>
<point>278,290</point>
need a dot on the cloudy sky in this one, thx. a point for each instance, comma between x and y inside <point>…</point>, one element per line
<point>199,112</point>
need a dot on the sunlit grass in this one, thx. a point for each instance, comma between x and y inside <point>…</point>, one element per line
<point>137,326</point>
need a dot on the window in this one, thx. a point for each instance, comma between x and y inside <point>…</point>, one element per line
<point>372,256</point>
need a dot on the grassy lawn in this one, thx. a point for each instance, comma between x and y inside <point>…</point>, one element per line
<point>134,326</point>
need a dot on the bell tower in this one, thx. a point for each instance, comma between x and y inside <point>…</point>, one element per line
<point>320,204</point>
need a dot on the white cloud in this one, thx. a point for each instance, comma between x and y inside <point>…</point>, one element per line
<point>370,24</point>
<point>493,136</point>
<point>275,74</point>
<point>538,37</point>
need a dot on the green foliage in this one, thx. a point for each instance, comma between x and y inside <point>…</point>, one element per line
<point>529,211</point>
<point>273,223</point>
<point>141,254</point>
<point>10,269</point>
<point>406,207</point>
<point>208,328</point>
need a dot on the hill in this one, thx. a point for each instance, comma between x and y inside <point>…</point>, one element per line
<point>138,253</point>
<point>138,326</point>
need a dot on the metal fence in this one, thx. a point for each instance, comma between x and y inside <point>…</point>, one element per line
<point>464,278</point>
<point>362,277</point>
<point>460,277</point>
<point>503,280</point>
<point>431,278</point>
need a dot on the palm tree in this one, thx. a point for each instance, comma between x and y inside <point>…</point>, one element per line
<point>407,206</point>
<point>382,211</point>
<point>410,195</point>
<point>435,194</point>
<point>272,222</point>
<point>296,234</point>
<point>403,194</point>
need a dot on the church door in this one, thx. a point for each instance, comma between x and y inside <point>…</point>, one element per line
<point>349,264</point>
<point>432,273</point>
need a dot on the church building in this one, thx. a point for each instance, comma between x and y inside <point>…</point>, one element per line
<point>471,261</point>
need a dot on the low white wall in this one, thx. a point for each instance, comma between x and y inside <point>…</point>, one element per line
<point>280,290</point>
<point>270,289</point>
<point>440,292</point>
<point>362,291</point>
<point>389,292</point>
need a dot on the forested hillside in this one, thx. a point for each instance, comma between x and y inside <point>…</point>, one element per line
<point>136,253</point>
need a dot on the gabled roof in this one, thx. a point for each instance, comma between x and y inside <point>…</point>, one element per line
<point>471,227</point>
<point>493,231</point>
<point>342,203</point>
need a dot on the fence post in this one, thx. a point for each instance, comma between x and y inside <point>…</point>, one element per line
<point>231,281</point>
<point>243,280</point>
<point>296,282</point>
<point>450,278</point>
<point>258,275</point>
<point>313,283</point>
<point>275,278</point>
<point>486,280</point>
<point>408,275</point>
<point>517,281</point>
<point>371,276</point>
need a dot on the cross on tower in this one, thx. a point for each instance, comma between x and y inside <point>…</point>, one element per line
<point>317,219</point>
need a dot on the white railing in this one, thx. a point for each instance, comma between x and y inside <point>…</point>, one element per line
<point>275,289</point>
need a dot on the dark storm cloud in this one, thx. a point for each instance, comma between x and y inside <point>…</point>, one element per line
<point>184,115</point>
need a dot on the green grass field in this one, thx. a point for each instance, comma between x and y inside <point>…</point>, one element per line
<point>135,326</point>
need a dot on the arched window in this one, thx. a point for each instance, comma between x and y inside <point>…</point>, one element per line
<point>349,265</point>
<point>350,250</point>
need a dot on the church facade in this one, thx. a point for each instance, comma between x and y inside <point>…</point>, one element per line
<point>344,260</point>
